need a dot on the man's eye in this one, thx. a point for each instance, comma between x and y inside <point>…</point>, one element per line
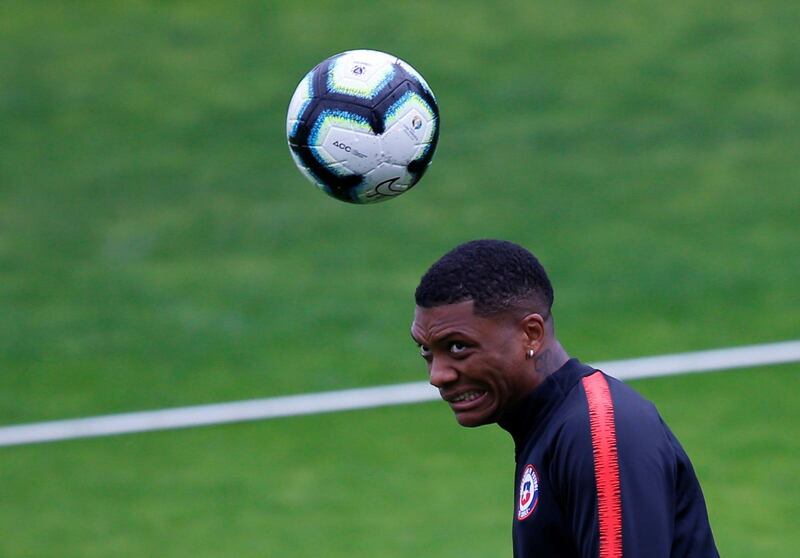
<point>424,351</point>
<point>456,348</point>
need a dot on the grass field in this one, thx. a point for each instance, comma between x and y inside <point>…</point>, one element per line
<point>158,248</point>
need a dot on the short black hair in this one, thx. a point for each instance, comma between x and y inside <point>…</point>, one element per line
<point>496,275</point>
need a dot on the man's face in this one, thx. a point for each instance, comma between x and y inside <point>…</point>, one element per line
<point>477,363</point>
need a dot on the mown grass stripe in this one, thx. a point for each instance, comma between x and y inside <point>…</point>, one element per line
<point>362,398</point>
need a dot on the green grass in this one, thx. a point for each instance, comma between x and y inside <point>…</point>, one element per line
<point>402,481</point>
<point>158,248</point>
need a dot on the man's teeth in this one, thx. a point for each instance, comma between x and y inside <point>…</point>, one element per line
<point>468,396</point>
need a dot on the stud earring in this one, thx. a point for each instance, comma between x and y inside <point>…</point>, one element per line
<point>530,353</point>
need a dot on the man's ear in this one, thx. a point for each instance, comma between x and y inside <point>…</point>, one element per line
<point>533,327</point>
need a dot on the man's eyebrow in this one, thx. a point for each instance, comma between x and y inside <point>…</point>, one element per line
<point>444,337</point>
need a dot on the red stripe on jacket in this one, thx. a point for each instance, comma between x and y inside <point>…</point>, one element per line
<point>606,464</point>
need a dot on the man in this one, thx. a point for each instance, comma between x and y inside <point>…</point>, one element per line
<point>598,473</point>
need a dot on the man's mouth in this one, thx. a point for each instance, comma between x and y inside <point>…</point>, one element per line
<point>466,400</point>
<point>467,396</point>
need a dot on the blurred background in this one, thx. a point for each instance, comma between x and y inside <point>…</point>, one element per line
<point>158,248</point>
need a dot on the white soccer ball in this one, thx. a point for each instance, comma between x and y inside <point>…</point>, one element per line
<point>363,126</point>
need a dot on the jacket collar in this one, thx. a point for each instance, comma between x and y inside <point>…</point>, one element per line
<point>528,413</point>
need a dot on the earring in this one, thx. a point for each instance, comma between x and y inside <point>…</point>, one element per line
<point>530,353</point>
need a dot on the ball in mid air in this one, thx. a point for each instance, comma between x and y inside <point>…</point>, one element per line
<point>363,126</point>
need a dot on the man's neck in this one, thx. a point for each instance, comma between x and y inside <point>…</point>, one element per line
<point>549,359</point>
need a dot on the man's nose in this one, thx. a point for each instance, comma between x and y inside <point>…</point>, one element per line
<point>442,373</point>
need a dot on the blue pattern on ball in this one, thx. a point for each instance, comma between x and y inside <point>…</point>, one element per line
<point>363,94</point>
<point>309,79</point>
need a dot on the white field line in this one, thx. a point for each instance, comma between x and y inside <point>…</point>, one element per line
<point>362,398</point>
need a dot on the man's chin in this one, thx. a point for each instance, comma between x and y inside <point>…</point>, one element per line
<point>475,412</point>
<point>473,420</point>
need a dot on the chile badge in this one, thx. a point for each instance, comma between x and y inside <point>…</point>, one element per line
<point>528,492</point>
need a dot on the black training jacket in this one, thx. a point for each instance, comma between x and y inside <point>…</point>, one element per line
<point>599,474</point>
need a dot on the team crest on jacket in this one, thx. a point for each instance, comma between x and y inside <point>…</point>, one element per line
<point>528,492</point>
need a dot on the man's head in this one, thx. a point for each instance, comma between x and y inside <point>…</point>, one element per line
<point>498,276</point>
<point>483,310</point>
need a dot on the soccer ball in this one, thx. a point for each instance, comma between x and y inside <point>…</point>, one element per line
<point>363,126</point>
